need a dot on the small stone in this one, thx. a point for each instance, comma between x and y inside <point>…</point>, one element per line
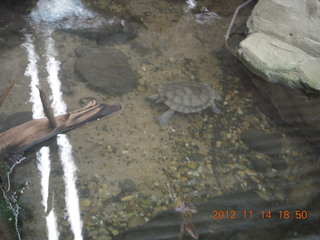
<point>115,232</point>
<point>172,168</point>
<point>141,88</point>
<point>127,185</point>
<point>135,221</point>
<point>200,169</point>
<point>262,142</point>
<point>128,198</point>
<point>295,154</point>
<point>184,179</point>
<point>197,157</point>
<point>85,203</point>
<point>192,165</point>
<point>218,144</point>
<point>104,237</point>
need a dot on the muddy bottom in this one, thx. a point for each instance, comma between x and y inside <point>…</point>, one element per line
<point>119,158</point>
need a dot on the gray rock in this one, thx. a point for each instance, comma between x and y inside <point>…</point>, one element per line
<point>106,70</point>
<point>197,157</point>
<point>295,22</point>
<point>277,61</point>
<point>127,185</point>
<point>284,40</point>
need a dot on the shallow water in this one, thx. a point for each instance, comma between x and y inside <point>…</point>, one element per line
<point>119,158</point>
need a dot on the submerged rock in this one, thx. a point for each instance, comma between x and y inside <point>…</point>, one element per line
<point>268,144</point>
<point>112,30</point>
<point>11,25</point>
<point>262,142</point>
<point>105,70</point>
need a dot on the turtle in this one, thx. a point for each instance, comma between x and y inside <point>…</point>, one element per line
<point>185,97</point>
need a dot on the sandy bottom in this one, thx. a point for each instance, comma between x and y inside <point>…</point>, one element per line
<point>202,151</point>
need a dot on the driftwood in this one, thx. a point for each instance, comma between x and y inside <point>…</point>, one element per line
<point>19,139</point>
<point>15,141</point>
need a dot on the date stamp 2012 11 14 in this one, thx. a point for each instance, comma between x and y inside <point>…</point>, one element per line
<point>283,214</point>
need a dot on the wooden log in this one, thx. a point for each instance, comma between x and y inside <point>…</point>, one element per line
<point>19,139</point>
<point>46,108</point>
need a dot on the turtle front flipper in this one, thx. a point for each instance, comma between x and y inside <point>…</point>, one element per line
<point>164,118</point>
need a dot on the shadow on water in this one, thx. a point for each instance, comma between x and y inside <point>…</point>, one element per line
<point>249,175</point>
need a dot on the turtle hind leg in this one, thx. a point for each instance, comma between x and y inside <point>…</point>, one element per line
<point>164,118</point>
<point>215,109</point>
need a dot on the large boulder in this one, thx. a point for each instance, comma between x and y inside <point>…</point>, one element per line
<point>277,61</point>
<point>284,42</point>
<point>283,46</point>
<point>105,70</point>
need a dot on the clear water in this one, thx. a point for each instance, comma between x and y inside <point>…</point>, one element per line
<point>203,153</point>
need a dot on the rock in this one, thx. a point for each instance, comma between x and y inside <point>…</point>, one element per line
<point>282,52</point>
<point>127,185</point>
<point>106,70</point>
<point>197,157</point>
<point>135,221</point>
<point>106,29</point>
<point>85,203</point>
<point>11,25</point>
<point>260,164</point>
<point>288,54</point>
<point>128,198</point>
<point>104,237</point>
<point>262,142</point>
<point>85,193</point>
<point>113,30</point>
<point>277,61</point>
<point>292,21</point>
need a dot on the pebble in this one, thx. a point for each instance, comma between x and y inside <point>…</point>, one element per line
<point>127,185</point>
<point>115,232</point>
<point>192,165</point>
<point>135,221</point>
<point>218,144</point>
<point>128,198</point>
<point>85,203</point>
<point>104,237</point>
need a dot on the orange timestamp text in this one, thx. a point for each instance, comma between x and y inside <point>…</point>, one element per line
<point>283,214</point>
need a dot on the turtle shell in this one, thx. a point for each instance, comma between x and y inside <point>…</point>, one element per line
<point>188,97</point>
